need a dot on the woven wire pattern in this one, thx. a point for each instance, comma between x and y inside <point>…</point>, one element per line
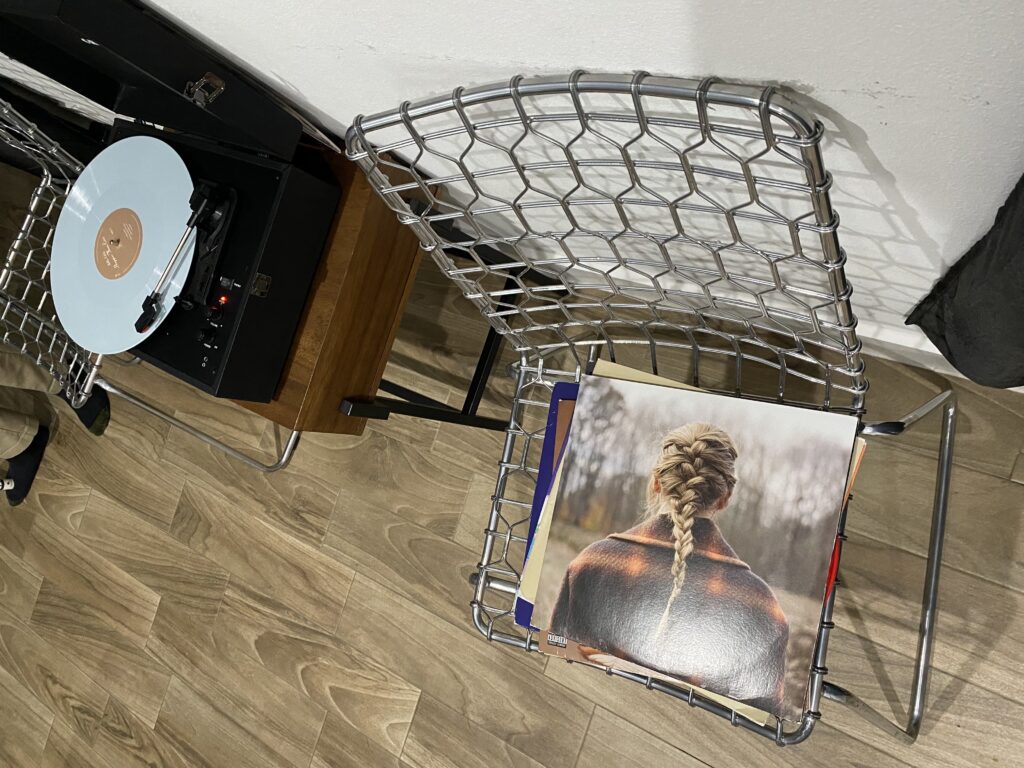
<point>28,320</point>
<point>595,211</point>
<point>683,227</point>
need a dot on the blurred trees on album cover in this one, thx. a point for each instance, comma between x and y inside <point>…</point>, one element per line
<point>779,508</point>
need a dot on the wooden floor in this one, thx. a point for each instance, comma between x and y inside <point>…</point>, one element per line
<point>161,605</point>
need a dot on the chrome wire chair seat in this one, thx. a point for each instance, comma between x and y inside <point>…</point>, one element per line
<point>679,226</point>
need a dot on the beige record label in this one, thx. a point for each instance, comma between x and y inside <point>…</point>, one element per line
<point>118,243</point>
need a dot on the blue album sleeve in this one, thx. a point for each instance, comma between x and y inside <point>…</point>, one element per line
<point>563,391</point>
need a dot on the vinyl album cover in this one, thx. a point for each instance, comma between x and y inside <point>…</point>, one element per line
<point>691,536</point>
<point>563,401</point>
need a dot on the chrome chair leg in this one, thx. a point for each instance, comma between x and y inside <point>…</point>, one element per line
<point>283,458</point>
<point>930,596</point>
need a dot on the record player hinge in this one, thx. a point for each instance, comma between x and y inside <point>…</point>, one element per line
<point>205,90</point>
<point>261,285</point>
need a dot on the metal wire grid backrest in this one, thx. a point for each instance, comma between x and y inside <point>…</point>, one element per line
<point>28,320</point>
<point>614,211</point>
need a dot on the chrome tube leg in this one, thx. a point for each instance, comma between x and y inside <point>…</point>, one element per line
<point>930,596</point>
<point>283,458</point>
<point>78,399</point>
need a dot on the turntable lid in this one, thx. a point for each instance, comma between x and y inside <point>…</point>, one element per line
<point>130,59</point>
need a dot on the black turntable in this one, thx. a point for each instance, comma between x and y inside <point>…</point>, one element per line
<point>271,197</point>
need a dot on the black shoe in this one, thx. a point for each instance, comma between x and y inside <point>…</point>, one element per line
<point>22,468</point>
<point>95,413</point>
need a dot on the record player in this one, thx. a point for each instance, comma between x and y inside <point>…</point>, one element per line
<point>262,200</point>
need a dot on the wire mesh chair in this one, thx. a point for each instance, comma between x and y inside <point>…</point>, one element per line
<point>28,320</point>
<point>683,227</point>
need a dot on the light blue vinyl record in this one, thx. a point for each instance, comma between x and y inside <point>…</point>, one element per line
<point>117,230</point>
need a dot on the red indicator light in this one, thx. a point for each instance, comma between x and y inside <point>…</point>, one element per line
<point>222,300</point>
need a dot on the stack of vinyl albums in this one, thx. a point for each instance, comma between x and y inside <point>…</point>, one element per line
<point>687,536</point>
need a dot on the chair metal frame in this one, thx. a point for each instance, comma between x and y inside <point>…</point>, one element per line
<point>589,187</point>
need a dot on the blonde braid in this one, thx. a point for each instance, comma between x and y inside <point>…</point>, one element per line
<point>696,470</point>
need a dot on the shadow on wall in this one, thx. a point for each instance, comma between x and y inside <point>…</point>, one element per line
<point>891,254</point>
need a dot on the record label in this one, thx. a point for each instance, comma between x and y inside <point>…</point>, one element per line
<point>118,243</point>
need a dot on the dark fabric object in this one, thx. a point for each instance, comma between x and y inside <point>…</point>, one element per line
<point>727,632</point>
<point>975,313</point>
<point>22,468</point>
<point>95,412</point>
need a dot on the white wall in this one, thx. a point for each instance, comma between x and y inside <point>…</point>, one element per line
<point>924,100</point>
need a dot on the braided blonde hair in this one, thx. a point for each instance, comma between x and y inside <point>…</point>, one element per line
<point>695,472</point>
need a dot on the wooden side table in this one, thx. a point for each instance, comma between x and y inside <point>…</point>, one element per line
<point>352,314</point>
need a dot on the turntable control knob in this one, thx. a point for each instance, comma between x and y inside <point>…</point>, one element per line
<point>213,312</point>
<point>206,335</point>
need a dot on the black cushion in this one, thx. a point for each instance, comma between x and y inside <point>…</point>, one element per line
<point>975,313</point>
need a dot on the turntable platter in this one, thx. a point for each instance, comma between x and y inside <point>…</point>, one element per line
<point>117,230</point>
